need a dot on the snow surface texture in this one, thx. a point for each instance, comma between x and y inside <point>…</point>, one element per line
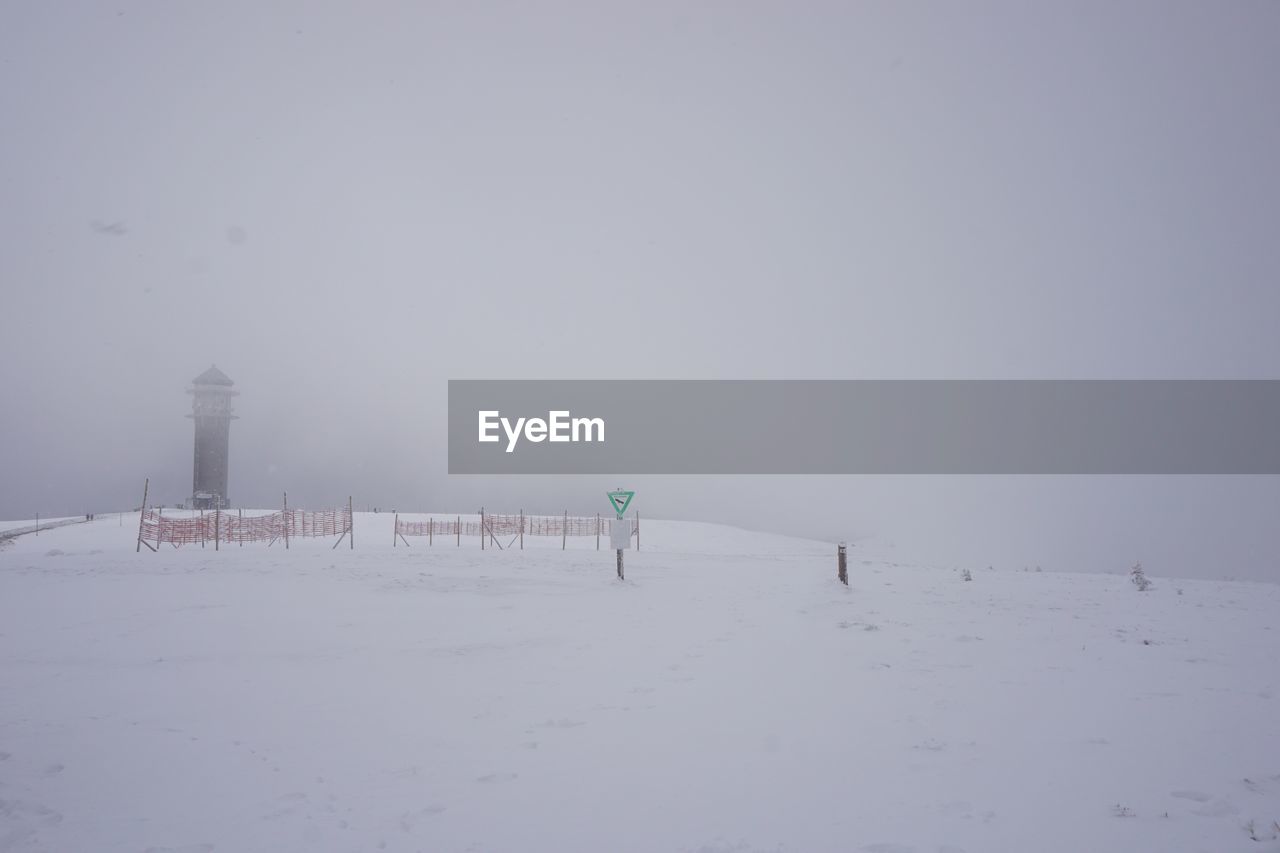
<point>729,696</point>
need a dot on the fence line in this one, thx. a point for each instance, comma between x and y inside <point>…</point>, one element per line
<point>516,526</point>
<point>232,527</point>
<point>225,526</point>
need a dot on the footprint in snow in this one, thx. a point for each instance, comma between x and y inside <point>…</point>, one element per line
<point>563,724</point>
<point>1216,808</point>
<point>720,846</point>
<point>410,819</point>
<point>1263,787</point>
<point>409,772</point>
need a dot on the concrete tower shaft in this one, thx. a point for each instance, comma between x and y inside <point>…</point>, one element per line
<point>211,410</point>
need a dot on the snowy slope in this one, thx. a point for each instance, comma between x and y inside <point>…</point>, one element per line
<point>7,526</point>
<point>730,696</point>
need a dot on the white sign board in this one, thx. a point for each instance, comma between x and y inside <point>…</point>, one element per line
<point>620,534</point>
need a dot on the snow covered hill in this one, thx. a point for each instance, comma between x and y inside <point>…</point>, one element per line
<point>729,696</point>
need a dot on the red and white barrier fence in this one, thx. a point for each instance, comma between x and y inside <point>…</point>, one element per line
<point>233,527</point>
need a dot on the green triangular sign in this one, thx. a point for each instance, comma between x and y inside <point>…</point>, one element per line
<point>620,500</point>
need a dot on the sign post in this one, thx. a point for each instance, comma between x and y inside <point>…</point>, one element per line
<point>620,530</point>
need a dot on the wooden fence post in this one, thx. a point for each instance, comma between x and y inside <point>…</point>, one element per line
<point>564,530</point>
<point>597,531</point>
<point>481,528</point>
<point>240,525</point>
<point>842,568</point>
<point>458,530</point>
<point>521,528</point>
<point>431,529</point>
<point>285,519</point>
<point>398,535</point>
<point>143,512</point>
<point>217,528</point>
<point>351,524</point>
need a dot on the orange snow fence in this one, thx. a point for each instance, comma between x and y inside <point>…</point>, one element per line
<point>223,526</point>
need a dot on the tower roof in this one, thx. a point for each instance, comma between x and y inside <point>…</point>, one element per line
<point>212,376</point>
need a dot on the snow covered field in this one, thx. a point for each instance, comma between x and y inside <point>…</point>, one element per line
<point>729,696</point>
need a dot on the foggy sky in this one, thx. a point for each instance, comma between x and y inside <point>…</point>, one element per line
<point>345,205</point>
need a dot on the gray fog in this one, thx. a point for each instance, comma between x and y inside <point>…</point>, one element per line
<point>345,205</point>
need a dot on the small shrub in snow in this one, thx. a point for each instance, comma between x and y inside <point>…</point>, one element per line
<point>1259,834</point>
<point>1122,811</point>
<point>1139,578</point>
<point>967,575</point>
